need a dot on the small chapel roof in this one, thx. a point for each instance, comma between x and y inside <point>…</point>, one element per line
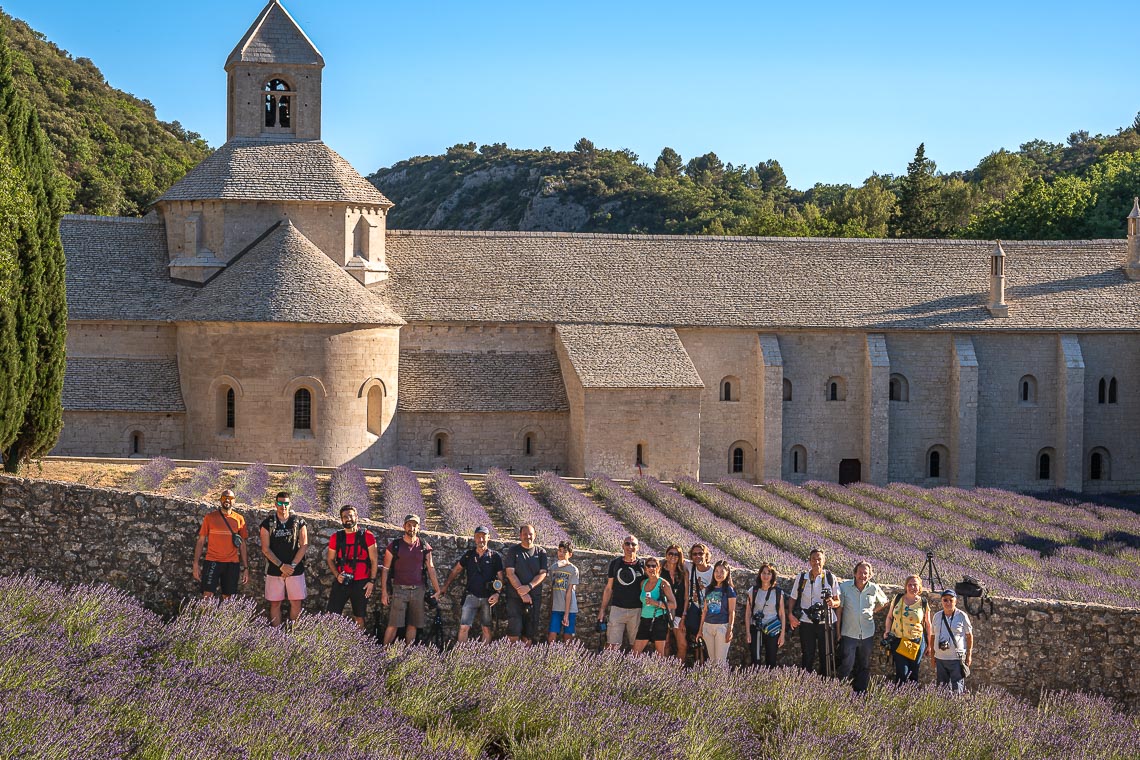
<point>275,169</point>
<point>763,283</point>
<point>284,277</point>
<point>438,381</point>
<point>122,385</point>
<point>275,37</point>
<point>628,356</point>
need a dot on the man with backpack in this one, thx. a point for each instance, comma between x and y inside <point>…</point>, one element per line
<point>352,560</point>
<point>525,564</point>
<point>284,541</point>
<point>859,600</point>
<point>484,568</point>
<point>407,568</point>
<point>223,534</point>
<point>814,587</point>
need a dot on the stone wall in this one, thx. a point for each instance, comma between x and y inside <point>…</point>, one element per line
<point>144,543</point>
<point>110,434</point>
<point>481,440</point>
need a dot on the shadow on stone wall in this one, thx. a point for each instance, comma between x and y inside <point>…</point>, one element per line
<point>144,544</point>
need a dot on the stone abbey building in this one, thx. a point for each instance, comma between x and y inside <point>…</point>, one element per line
<point>264,312</point>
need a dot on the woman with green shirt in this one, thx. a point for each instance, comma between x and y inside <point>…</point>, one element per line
<point>657,605</point>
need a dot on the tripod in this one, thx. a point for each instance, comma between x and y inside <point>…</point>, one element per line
<point>828,663</point>
<point>930,573</point>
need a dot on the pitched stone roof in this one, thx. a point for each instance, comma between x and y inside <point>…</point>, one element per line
<point>117,269</point>
<point>275,37</point>
<point>286,278</point>
<point>122,385</point>
<point>433,381</point>
<point>764,283</point>
<point>271,169</point>
<point>627,356</point>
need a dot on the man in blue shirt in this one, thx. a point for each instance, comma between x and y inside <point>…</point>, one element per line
<point>859,600</point>
<point>484,567</point>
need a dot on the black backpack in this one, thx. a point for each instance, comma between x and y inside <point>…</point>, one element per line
<point>342,554</point>
<point>828,579</point>
<point>971,588</point>
<point>394,549</point>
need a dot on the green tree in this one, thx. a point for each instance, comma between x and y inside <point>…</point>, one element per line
<point>33,321</point>
<point>865,211</point>
<point>918,212</point>
<point>771,174</point>
<point>706,170</point>
<point>669,164</point>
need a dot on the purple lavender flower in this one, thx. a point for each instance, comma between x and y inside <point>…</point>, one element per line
<point>203,479</point>
<point>349,487</point>
<point>461,511</point>
<point>400,495</point>
<point>301,482</point>
<point>250,485</point>
<point>520,508</point>
<point>150,476</point>
<point>592,526</point>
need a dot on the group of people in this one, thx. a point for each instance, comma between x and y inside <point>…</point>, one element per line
<point>671,602</point>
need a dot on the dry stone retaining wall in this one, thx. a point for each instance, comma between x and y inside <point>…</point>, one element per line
<point>143,544</point>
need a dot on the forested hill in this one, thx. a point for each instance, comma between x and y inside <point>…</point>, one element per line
<point>1080,189</point>
<point>116,156</point>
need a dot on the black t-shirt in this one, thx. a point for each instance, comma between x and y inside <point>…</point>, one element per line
<point>284,538</point>
<point>627,578</point>
<point>481,571</point>
<point>527,563</point>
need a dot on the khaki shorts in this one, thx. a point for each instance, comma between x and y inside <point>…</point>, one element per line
<point>407,607</point>
<point>623,623</point>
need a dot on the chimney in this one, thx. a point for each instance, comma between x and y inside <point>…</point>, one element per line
<point>997,304</point>
<point>1132,269</point>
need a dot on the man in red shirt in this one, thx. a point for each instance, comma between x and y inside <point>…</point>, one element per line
<point>223,533</point>
<point>353,561</point>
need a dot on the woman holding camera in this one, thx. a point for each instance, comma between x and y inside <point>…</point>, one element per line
<point>657,605</point>
<point>908,621</point>
<point>764,610</point>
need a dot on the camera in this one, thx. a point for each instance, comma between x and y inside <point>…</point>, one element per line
<point>944,644</point>
<point>600,626</point>
<point>890,643</point>
<point>494,587</point>
<point>817,613</point>
<point>431,601</point>
<point>345,577</point>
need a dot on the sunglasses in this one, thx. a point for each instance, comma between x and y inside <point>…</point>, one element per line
<point>282,503</point>
<point>651,565</point>
<point>631,543</point>
<point>672,554</point>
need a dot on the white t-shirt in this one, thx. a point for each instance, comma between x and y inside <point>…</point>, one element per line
<point>766,602</point>
<point>813,591</point>
<point>960,625</point>
<point>703,578</point>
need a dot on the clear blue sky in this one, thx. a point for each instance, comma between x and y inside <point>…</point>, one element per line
<point>833,91</point>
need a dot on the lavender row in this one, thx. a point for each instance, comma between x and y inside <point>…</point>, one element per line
<point>935,517</point>
<point>738,544</point>
<point>349,488</point>
<point>203,479</point>
<point>151,475</point>
<point>251,484</point>
<point>400,495</point>
<point>646,521</point>
<point>520,508</point>
<point>793,543</point>
<point>301,483</point>
<point>591,524</point>
<point>461,511</point>
<point>1011,514</point>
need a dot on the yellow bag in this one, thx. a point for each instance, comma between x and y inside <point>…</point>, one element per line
<point>908,649</point>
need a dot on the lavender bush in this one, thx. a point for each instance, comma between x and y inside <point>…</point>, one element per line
<point>349,487</point>
<point>203,479</point>
<point>87,672</point>
<point>250,485</point>
<point>519,508</point>
<point>592,526</point>
<point>400,495</point>
<point>461,511</point>
<point>301,483</point>
<point>150,476</point>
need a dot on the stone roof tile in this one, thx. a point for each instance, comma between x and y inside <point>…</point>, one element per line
<point>275,37</point>
<point>272,169</point>
<point>286,278</point>
<point>122,385</point>
<point>433,381</point>
<point>763,283</point>
<point>628,356</point>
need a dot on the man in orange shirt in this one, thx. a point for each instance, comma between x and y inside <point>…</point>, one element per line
<point>223,532</point>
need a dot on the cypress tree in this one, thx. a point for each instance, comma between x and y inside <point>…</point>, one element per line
<point>918,212</point>
<point>33,320</point>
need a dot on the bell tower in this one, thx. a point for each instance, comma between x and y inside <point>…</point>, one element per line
<point>274,80</point>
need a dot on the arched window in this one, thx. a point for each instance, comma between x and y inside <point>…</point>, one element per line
<point>230,408</point>
<point>1100,464</point>
<point>375,410</point>
<point>528,444</point>
<point>1027,391</point>
<point>738,459</point>
<point>799,460</point>
<point>1100,391</point>
<point>1112,391</point>
<point>440,444</point>
<point>278,99</point>
<point>935,468</point>
<point>640,455</point>
<point>136,443</point>
<point>787,389</point>
<point>302,409</point>
<point>1045,464</point>
<point>899,388</point>
<point>730,389</point>
<point>836,389</point>
<point>226,410</point>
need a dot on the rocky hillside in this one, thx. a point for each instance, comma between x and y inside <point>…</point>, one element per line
<point>117,157</point>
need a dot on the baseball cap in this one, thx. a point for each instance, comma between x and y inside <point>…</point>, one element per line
<point>950,592</point>
<point>482,529</point>
<point>412,518</point>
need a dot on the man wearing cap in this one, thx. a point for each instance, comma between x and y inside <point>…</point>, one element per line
<point>407,568</point>
<point>484,568</point>
<point>955,636</point>
<point>223,533</point>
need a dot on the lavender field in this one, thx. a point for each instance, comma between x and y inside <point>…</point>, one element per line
<point>87,672</point>
<point>1017,545</point>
